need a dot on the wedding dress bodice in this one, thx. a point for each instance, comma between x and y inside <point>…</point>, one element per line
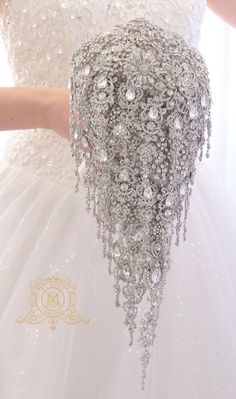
<point>40,37</point>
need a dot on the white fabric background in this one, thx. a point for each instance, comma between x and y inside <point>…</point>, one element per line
<point>218,40</point>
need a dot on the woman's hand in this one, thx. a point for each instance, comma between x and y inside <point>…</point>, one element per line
<point>58,111</point>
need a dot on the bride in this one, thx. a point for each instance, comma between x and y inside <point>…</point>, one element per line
<point>61,336</point>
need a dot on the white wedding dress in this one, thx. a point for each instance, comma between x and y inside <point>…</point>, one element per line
<point>46,231</point>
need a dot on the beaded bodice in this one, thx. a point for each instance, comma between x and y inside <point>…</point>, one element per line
<point>40,37</point>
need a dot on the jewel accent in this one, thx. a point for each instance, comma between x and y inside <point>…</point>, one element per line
<point>137,233</point>
<point>102,82</point>
<point>193,113</point>
<point>130,94</point>
<point>124,174</point>
<point>142,228</point>
<point>203,101</point>
<point>153,113</point>
<point>148,193</point>
<point>156,274</point>
<point>177,124</point>
<point>86,70</point>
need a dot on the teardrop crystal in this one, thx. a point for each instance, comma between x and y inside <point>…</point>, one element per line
<point>155,276</point>
<point>130,94</point>
<point>177,124</point>
<point>193,113</point>
<point>148,193</point>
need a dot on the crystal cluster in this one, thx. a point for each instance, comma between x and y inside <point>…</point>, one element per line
<point>140,106</point>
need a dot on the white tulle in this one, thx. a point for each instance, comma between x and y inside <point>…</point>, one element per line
<point>45,230</point>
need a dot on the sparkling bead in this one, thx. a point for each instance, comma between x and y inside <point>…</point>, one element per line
<point>153,113</point>
<point>148,192</point>
<point>72,16</point>
<point>43,17</point>
<point>102,82</point>
<point>193,113</point>
<point>130,94</point>
<point>76,135</point>
<point>177,124</point>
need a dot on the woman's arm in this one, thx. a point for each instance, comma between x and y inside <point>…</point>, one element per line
<point>31,108</point>
<point>225,9</point>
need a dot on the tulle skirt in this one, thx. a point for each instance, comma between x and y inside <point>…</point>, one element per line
<point>46,231</point>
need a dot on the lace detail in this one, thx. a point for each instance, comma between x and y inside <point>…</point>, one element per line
<point>40,38</point>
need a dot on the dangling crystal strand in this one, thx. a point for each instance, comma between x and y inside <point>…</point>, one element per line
<point>209,128</point>
<point>178,225</point>
<point>186,207</point>
<point>117,292</point>
<point>109,252</point>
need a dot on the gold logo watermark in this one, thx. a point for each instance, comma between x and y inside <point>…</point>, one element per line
<point>52,298</point>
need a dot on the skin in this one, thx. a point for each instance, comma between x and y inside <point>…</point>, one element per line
<point>28,107</point>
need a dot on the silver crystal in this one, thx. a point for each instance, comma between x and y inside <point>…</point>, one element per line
<point>103,156</point>
<point>153,113</point>
<point>138,233</point>
<point>193,113</point>
<point>155,275</point>
<point>147,192</point>
<point>86,70</point>
<point>177,124</point>
<point>130,94</point>
<point>203,101</point>
<point>102,82</point>
<point>124,174</point>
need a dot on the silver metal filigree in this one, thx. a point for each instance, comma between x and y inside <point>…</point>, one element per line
<point>140,99</point>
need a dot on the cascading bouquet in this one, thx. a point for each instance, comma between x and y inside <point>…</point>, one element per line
<point>140,114</point>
